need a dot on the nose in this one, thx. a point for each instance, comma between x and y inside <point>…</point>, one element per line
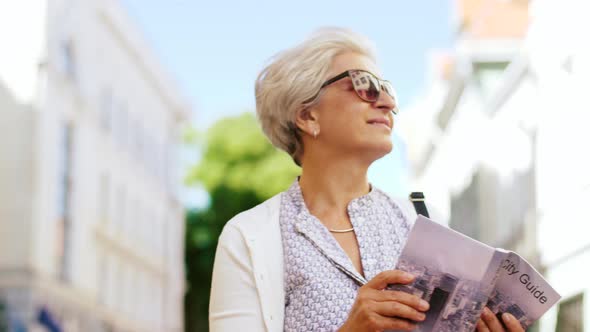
<point>386,103</point>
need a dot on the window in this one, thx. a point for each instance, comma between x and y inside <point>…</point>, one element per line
<point>488,76</point>
<point>64,187</point>
<point>164,251</point>
<point>131,133</point>
<point>102,269</point>
<point>131,300</point>
<point>104,198</point>
<point>121,123</point>
<point>64,169</point>
<point>161,163</point>
<point>68,59</point>
<point>148,226</point>
<point>130,225</point>
<point>166,159</point>
<point>120,210</point>
<point>115,284</point>
<point>149,153</point>
<point>570,317</point>
<point>158,233</point>
<point>106,110</point>
<point>142,227</point>
<point>466,209</point>
<point>139,141</point>
<point>125,283</point>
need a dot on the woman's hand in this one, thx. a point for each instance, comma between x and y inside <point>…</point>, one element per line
<point>488,322</point>
<point>377,309</point>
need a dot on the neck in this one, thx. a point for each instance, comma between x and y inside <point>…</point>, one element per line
<point>329,185</point>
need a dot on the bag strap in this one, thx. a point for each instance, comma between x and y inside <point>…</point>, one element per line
<point>417,198</point>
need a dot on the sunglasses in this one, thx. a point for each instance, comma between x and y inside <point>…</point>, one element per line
<point>366,85</point>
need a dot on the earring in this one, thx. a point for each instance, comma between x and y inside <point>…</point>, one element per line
<point>315,133</point>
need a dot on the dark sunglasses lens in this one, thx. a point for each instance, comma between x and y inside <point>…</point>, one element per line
<point>365,85</point>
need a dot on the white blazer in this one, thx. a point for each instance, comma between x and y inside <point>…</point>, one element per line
<point>247,291</point>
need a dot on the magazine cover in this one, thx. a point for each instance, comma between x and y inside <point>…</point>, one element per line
<point>459,276</point>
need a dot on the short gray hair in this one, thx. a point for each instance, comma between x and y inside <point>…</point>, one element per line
<point>294,77</point>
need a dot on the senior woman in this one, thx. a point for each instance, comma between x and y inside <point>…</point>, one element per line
<point>319,256</point>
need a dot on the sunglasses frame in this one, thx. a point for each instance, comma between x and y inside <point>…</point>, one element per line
<point>380,88</point>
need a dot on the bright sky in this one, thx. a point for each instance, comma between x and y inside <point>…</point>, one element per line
<point>215,49</point>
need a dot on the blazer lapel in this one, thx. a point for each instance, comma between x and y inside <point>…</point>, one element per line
<point>266,251</point>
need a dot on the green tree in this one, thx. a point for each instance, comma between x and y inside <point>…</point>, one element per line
<point>239,169</point>
<point>3,317</point>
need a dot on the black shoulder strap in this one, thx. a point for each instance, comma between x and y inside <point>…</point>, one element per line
<point>417,199</point>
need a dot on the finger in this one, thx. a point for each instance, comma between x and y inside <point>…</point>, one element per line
<point>401,297</point>
<point>491,321</point>
<point>392,323</point>
<point>398,310</point>
<point>512,323</point>
<point>481,326</point>
<point>385,278</point>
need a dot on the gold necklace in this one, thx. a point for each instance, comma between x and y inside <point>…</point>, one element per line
<point>342,230</point>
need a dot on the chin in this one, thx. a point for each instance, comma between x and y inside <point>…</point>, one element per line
<point>385,145</point>
<point>378,151</point>
<point>386,148</point>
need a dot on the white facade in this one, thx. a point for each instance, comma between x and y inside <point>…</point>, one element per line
<point>466,136</point>
<point>560,58</point>
<point>91,227</point>
<point>500,144</point>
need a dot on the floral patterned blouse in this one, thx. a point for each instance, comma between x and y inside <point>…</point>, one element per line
<point>320,280</point>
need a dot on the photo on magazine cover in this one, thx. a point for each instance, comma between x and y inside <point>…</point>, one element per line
<point>454,273</point>
<point>455,302</point>
<point>500,303</point>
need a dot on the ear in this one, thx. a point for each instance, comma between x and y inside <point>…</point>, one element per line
<point>307,120</point>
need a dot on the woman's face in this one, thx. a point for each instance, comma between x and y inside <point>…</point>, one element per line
<point>346,122</point>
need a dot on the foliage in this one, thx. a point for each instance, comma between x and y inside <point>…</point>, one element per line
<point>239,169</point>
<point>3,317</point>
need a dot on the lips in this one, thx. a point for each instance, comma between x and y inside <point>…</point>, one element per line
<point>380,121</point>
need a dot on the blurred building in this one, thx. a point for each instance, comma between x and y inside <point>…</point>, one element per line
<point>91,227</point>
<point>470,143</point>
<point>498,138</point>
<point>559,57</point>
